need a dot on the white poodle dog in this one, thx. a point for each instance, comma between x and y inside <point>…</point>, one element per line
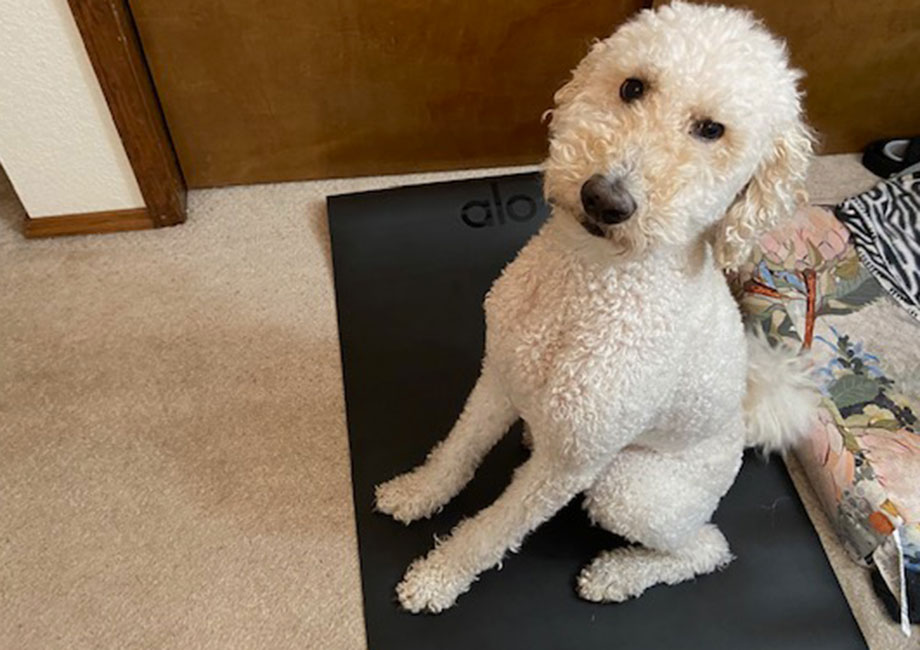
<point>613,334</point>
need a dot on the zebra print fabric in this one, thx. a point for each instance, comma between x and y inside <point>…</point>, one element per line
<point>884,224</point>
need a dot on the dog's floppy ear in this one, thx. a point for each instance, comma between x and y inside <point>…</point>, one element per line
<point>772,194</point>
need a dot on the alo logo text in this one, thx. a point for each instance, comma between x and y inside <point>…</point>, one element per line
<point>481,213</point>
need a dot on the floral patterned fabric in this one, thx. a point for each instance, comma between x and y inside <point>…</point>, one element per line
<point>863,455</point>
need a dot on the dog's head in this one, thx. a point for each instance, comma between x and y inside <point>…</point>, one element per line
<point>686,123</point>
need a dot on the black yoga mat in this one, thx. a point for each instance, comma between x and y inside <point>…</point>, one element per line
<point>411,268</point>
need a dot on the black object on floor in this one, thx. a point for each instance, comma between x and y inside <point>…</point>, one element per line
<point>889,157</point>
<point>411,268</point>
<point>892,605</point>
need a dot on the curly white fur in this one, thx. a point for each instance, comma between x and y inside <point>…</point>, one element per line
<point>781,399</point>
<point>620,346</point>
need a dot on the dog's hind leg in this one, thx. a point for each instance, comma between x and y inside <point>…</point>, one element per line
<point>663,503</point>
<point>451,464</point>
<point>626,572</point>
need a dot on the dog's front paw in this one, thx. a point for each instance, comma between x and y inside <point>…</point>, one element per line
<point>431,584</point>
<point>408,497</point>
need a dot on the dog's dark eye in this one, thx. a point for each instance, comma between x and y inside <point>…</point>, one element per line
<point>632,89</point>
<point>708,130</point>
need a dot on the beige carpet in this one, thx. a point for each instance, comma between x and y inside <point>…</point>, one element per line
<point>174,465</point>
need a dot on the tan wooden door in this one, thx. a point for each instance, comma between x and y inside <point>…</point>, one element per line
<point>259,90</point>
<point>276,90</point>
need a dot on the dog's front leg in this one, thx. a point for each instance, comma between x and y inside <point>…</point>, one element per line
<point>539,489</point>
<point>450,465</point>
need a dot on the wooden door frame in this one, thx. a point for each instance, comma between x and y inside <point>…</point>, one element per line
<point>114,49</point>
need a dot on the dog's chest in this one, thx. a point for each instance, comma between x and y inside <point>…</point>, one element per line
<point>552,321</point>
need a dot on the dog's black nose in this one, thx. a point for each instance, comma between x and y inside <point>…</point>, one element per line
<point>606,201</point>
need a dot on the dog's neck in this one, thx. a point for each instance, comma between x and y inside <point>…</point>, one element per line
<point>602,255</point>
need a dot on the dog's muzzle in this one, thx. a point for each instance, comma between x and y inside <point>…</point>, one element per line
<point>606,201</point>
